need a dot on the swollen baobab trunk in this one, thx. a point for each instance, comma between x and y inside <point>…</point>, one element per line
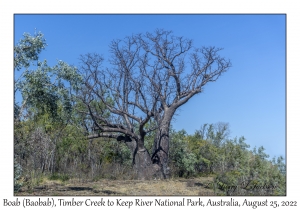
<point>142,164</point>
<point>161,143</point>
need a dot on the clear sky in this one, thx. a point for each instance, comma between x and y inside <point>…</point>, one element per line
<point>250,96</point>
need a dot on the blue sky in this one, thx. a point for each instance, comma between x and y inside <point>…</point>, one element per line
<point>250,96</point>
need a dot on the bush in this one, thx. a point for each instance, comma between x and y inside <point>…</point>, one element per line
<point>17,176</point>
<point>183,160</point>
<point>62,177</point>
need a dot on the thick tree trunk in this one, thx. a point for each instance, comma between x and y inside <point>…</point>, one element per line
<point>147,166</point>
<point>161,144</point>
<point>161,153</point>
<point>155,166</point>
<point>143,165</point>
<point>141,160</point>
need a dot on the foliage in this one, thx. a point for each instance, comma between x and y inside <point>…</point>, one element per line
<point>28,49</point>
<point>62,177</point>
<point>17,175</point>
<point>228,160</point>
<point>183,160</point>
<point>44,87</point>
<point>44,118</point>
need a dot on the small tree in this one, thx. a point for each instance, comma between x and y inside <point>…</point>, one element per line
<point>45,108</point>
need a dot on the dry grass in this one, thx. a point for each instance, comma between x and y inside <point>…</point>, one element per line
<point>76,187</point>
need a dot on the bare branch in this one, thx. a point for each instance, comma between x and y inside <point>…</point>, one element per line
<point>150,76</point>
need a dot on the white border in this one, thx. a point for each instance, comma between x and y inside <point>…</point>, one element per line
<point>9,8</point>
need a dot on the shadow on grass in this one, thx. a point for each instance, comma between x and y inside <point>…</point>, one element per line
<point>80,188</point>
<point>198,184</point>
<point>108,192</point>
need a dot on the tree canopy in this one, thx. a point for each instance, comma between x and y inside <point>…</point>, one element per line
<point>149,77</point>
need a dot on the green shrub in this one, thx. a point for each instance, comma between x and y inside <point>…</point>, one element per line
<point>183,159</point>
<point>17,176</point>
<point>62,177</point>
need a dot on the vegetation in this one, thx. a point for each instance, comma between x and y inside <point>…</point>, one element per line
<point>209,153</point>
<point>73,124</point>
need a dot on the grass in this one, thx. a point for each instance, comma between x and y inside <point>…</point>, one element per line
<point>79,187</point>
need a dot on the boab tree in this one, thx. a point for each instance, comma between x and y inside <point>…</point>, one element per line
<point>151,75</point>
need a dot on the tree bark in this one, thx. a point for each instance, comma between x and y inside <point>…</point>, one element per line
<point>141,159</point>
<point>161,143</point>
<point>144,167</point>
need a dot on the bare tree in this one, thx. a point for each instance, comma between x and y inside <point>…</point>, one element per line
<point>150,77</point>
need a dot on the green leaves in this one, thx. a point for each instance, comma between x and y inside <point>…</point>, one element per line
<point>28,50</point>
<point>66,72</point>
<point>231,161</point>
<point>39,92</point>
<point>181,156</point>
<point>17,175</point>
<point>45,90</point>
<point>43,118</point>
